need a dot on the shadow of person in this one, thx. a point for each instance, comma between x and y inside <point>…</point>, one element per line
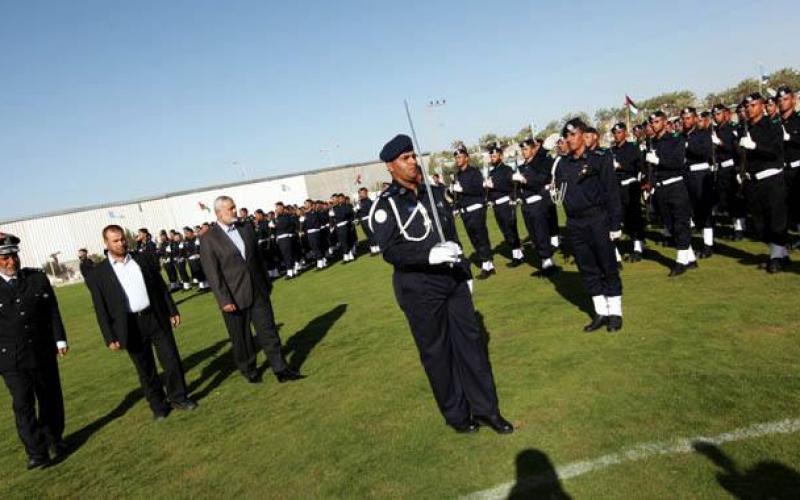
<point>536,477</point>
<point>657,257</point>
<point>300,345</point>
<point>767,479</point>
<point>219,369</point>
<point>743,257</point>
<point>482,327</point>
<point>569,285</point>
<point>198,293</point>
<point>198,357</point>
<point>78,438</point>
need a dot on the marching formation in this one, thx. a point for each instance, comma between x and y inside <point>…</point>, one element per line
<point>698,172</point>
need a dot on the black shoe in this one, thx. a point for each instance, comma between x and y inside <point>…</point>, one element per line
<point>288,375</point>
<point>253,377</point>
<point>496,422</point>
<point>636,257</point>
<point>514,263</point>
<point>677,270</point>
<point>706,252</point>
<point>692,265</point>
<point>184,404</point>
<point>738,236</point>
<point>597,323</point>
<point>775,266</point>
<point>38,463</point>
<point>786,261</point>
<point>158,416</point>
<point>549,271</point>
<point>614,323</point>
<point>468,427</point>
<point>484,274</point>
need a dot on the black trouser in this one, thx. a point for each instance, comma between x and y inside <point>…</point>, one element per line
<point>766,202</point>
<point>439,310</point>
<point>475,224</point>
<point>343,237</point>
<point>552,219</point>
<point>792,176</point>
<point>594,253</point>
<point>537,220</point>
<point>729,194</point>
<point>197,270</point>
<point>632,221</point>
<point>286,247</point>
<point>315,245</point>
<point>506,217</point>
<point>29,387</point>
<point>324,240</point>
<point>367,232</point>
<point>144,333</point>
<point>180,265</point>
<point>700,186</point>
<point>675,209</point>
<point>172,273</point>
<point>260,316</point>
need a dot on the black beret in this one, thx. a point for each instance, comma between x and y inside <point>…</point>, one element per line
<point>755,96</point>
<point>9,244</point>
<point>590,130</point>
<point>688,110</point>
<point>528,141</point>
<point>657,114</point>
<point>618,126</point>
<point>400,144</point>
<point>460,150</point>
<point>494,148</point>
<point>772,100</point>
<point>784,90</point>
<point>187,228</point>
<point>573,125</point>
<point>705,114</point>
<point>718,107</point>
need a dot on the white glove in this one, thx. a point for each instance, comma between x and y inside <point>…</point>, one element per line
<point>747,142</point>
<point>785,135</point>
<point>617,166</point>
<point>519,178</point>
<point>457,187</point>
<point>615,235</point>
<point>651,157</point>
<point>271,225</point>
<point>551,142</point>
<point>715,139</point>
<point>642,147</point>
<point>739,178</point>
<point>455,247</point>
<point>488,184</point>
<point>442,253</point>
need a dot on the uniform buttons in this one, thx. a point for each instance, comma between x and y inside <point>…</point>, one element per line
<point>17,301</point>
<point>22,313</point>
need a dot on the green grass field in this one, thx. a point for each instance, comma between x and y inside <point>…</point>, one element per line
<point>712,351</point>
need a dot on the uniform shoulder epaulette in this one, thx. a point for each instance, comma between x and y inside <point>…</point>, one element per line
<point>30,271</point>
<point>390,191</point>
<point>600,151</point>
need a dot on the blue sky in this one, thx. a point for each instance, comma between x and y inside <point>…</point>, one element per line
<point>108,100</point>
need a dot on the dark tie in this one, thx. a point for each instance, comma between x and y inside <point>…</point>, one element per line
<point>12,282</point>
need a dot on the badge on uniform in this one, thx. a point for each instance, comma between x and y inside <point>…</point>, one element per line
<point>380,216</point>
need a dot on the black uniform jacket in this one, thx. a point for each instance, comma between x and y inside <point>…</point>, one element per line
<point>591,185</point>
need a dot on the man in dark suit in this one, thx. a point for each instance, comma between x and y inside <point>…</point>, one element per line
<point>235,271</point>
<point>86,265</point>
<point>135,312</point>
<point>31,335</point>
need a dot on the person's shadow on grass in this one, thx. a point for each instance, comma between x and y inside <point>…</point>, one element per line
<point>768,479</point>
<point>300,345</point>
<point>569,285</point>
<point>536,477</point>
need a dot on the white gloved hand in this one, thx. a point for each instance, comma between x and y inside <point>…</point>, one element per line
<point>488,184</point>
<point>519,178</point>
<point>455,247</point>
<point>615,235</point>
<point>747,142</point>
<point>457,187</point>
<point>642,147</point>
<point>271,225</point>
<point>786,136</point>
<point>617,166</point>
<point>739,178</point>
<point>442,253</point>
<point>551,142</point>
<point>651,157</point>
<point>715,139</point>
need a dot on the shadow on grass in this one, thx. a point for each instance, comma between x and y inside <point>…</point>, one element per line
<point>198,293</point>
<point>569,285</point>
<point>482,327</point>
<point>536,477</point>
<point>766,479</point>
<point>300,345</point>
<point>219,369</point>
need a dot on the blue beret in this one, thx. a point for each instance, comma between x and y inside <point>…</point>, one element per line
<point>400,144</point>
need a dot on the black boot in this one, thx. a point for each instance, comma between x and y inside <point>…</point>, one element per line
<point>597,323</point>
<point>775,266</point>
<point>677,270</point>
<point>614,323</point>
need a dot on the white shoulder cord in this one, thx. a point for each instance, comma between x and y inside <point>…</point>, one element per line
<point>426,221</point>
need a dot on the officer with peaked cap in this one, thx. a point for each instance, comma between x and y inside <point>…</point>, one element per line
<point>471,194</point>
<point>764,181</point>
<point>594,216</point>
<point>431,284</point>
<point>500,187</point>
<point>791,152</point>
<point>628,168</point>
<point>31,337</point>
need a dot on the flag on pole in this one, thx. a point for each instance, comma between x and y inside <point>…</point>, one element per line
<point>631,105</point>
<point>203,206</point>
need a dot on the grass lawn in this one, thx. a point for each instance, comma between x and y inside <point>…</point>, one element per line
<point>714,350</point>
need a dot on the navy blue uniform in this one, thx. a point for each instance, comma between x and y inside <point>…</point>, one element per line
<point>629,158</point>
<point>30,326</point>
<point>592,205</point>
<point>362,215</point>
<point>699,179</point>
<point>729,196</point>
<point>436,301</point>
<point>791,152</point>
<point>671,195</point>
<point>536,201</point>
<point>285,229</point>
<point>505,208</point>
<point>472,203</point>
<point>342,218</point>
<point>164,254</point>
<point>191,247</point>
<point>179,258</point>
<point>311,227</point>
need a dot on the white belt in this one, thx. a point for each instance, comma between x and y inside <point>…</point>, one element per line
<point>343,223</point>
<point>726,163</point>
<point>794,164</point>
<point>472,208</point>
<point>699,167</point>
<point>312,231</point>
<point>759,176</point>
<point>194,257</point>
<point>532,199</point>
<point>671,180</point>
<point>628,181</point>
<point>262,240</point>
<point>365,217</point>
<point>284,235</point>
<point>502,201</point>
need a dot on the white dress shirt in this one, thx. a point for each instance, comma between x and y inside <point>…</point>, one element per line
<point>60,344</point>
<point>130,277</point>
<point>235,237</point>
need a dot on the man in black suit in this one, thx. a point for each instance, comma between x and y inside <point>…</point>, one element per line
<point>86,265</point>
<point>235,271</point>
<point>31,335</point>
<point>135,312</point>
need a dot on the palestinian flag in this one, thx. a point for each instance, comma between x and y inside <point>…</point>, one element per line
<point>631,105</point>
